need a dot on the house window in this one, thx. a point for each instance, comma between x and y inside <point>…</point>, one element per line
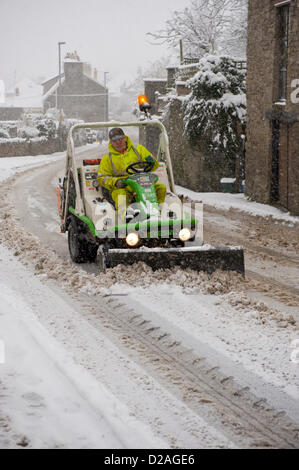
<point>284,12</point>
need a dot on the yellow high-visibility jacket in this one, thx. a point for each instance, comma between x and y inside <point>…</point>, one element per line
<point>114,164</point>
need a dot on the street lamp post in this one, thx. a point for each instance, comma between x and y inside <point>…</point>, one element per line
<point>106,97</point>
<point>59,60</point>
<point>59,101</point>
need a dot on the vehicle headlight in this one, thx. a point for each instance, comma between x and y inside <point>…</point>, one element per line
<point>184,234</point>
<point>132,239</point>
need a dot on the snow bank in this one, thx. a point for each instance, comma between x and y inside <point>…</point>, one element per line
<point>14,140</point>
<point>237,201</point>
<point>14,165</point>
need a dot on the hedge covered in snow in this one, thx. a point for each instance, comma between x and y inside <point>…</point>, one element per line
<point>35,126</point>
<point>36,135</point>
<point>216,107</point>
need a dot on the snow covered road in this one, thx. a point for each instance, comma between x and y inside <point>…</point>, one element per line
<point>101,360</point>
<point>46,400</point>
<point>42,396</point>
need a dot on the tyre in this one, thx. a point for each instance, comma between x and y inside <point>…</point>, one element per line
<point>81,250</point>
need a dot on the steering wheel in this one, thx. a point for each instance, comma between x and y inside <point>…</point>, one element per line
<point>144,167</point>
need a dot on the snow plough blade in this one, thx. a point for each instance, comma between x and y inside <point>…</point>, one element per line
<point>199,258</point>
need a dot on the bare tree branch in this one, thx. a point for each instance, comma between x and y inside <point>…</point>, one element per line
<point>206,25</point>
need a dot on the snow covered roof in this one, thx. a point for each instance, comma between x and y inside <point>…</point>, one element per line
<point>55,77</point>
<point>68,59</point>
<point>56,83</point>
<point>25,94</point>
<point>155,79</point>
<point>52,89</point>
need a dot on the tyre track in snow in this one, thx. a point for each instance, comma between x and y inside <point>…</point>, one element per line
<point>270,285</point>
<point>272,271</point>
<point>284,238</point>
<point>230,404</point>
<point>235,410</point>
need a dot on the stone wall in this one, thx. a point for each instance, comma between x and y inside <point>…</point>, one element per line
<point>26,148</point>
<point>149,137</point>
<point>192,169</point>
<point>186,162</point>
<point>293,110</point>
<point>265,112</point>
<point>10,113</point>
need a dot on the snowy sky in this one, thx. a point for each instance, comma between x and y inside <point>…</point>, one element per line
<point>111,35</point>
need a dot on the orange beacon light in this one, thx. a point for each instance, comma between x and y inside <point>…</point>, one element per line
<point>144,103</point>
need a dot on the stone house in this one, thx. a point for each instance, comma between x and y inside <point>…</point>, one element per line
<point>77,92</point>
<point>272,147</point>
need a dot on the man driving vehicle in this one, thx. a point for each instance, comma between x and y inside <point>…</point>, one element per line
<point>112,169</point>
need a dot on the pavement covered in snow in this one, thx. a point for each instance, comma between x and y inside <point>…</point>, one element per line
<point>240,202</point>
<point>50,398</point>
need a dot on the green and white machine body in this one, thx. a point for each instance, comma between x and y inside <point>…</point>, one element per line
<point>96,232</point>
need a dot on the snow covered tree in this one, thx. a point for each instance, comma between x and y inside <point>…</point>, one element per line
<point>205,26</point>
<point>46,128</point>
<point>215,110</point>
<point>155,69</point>
<point>234,37</point>
<point>4,134</point>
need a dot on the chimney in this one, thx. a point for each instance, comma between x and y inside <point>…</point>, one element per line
<point>95,74</point>
<point>73,72</point>
<point>87,69</point>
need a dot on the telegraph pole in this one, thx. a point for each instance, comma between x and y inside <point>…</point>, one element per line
<point>181,52</point>
<point>106,97</point>
<point>59,97</point>
<point>106,118</point>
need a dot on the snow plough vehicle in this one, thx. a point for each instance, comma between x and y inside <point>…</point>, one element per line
<point>161,237</point>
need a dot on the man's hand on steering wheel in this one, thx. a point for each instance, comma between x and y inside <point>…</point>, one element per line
<point>144,166</point>
<point>149,159</point>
